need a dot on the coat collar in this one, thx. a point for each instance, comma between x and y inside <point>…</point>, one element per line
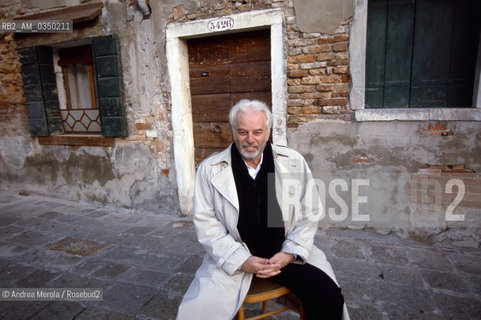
<point>223,178</point>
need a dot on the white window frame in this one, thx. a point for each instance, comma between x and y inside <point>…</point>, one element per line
<point>178,65</point>
<point>357,57</point>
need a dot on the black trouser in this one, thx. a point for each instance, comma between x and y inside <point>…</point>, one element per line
<point>321,297</point>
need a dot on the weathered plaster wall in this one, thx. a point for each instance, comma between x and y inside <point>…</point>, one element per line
<point>389,156</point>
<point>135,173</point>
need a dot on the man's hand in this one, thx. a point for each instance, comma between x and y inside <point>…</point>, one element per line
<point>282,259</point>
<point>261,267</point>
<point>266,268</point>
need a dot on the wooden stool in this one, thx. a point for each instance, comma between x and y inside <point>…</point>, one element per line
<point>263,290</point>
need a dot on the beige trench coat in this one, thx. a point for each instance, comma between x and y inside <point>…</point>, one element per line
<point>219,287</point>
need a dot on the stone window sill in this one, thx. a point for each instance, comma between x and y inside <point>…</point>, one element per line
<point>434,114</point>
<point>77,140</point>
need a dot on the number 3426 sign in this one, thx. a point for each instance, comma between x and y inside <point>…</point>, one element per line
<point>221,24</point>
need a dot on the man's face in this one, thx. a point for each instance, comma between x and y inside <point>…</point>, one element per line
<point>251,134</point>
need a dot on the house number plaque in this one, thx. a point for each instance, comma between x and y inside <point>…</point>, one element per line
<point>221,24</point>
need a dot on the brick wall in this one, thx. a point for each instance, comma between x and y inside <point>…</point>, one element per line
<point>430,187</point>
<point>12,109</point>
<point>317,64</point>
<point>318,76</point>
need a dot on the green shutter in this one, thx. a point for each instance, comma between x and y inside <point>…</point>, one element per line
<point>40,89</point>
<point>375,53</point>
<point>421,53</point>
<point>109,86</point>
<point>388,53</point>
<point>446,42</point>
<point>432,53</point>
<point>399,44</point>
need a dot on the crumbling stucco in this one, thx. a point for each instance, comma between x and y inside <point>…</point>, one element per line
<point>323,16</point>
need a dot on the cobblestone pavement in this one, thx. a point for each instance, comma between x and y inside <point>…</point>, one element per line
<point>144,263</point>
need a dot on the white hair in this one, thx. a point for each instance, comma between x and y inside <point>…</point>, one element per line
<point>245,105</point>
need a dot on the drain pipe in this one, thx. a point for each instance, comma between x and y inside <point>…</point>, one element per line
<point>144,7</point>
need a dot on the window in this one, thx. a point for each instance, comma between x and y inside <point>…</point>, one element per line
<point>88,100</point>
<point>422,53</point>
<point>78,106</point>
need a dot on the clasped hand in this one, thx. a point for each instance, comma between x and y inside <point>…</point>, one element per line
<point>266,268</point>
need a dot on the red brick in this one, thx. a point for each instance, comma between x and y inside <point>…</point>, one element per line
<point>301,89</point>
<point>338,47</point>
<point>302,59</point>
<point>330,79</point>
<point>311,110</point>
<point>338,63</point>
<point>298,73</point>
<point>325,88</point>
<point>470,204</point>
<point>340,94</point>
<point>340,70</point>
<point>294,110</point>
<point>316,49</point>
<point>143,126</point>
<point>325,56</point>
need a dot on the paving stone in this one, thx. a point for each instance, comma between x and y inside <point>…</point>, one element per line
<point>20,310</point>
<point>33,238</point>
<point>149,278</point>
<point>365,312</point>
<point>64,261</point>
<point>88,267</point>
<point>72,280</point>
<point>365,271</point>
<point>162,306</point>
<point>190,265</point>
<point>356,291</point>
<point>6,219</point>
<point>11,250</point>
<point>140,230</point>
<point>36,256</point>
<point>11,230</point>
<point>348,249</point>
<point>133,256</point>
<point>30,223</point>
<point>38,279</point>
<point>58,310</point>
<point>110,270</point>
<point>467,262</point>
<point>444,280</point>
<point>99,213</point>
<point>78,247</point>
<point>404,276</point>
<point>388,255</point>
<point>474,284</point>
<point>430,259</point>
<point>180,282</point>
<point>12,271</point>
<point>127,298</point>
<point>7,198</point>
<point>99,314</point>
<point>458,307</point>
<point>416,301</point>
<point>50,215</point>
<point>394,312</point>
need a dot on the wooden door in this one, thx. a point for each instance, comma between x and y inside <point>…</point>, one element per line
<point>223,70</point>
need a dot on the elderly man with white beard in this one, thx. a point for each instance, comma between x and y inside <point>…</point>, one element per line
<point>245,234</point>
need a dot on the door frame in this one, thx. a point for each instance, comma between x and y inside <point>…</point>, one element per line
<point>178,66</point>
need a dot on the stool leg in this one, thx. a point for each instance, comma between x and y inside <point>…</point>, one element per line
<point>264,306</point>
<point>240,313</point>
<point>302,314</point>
